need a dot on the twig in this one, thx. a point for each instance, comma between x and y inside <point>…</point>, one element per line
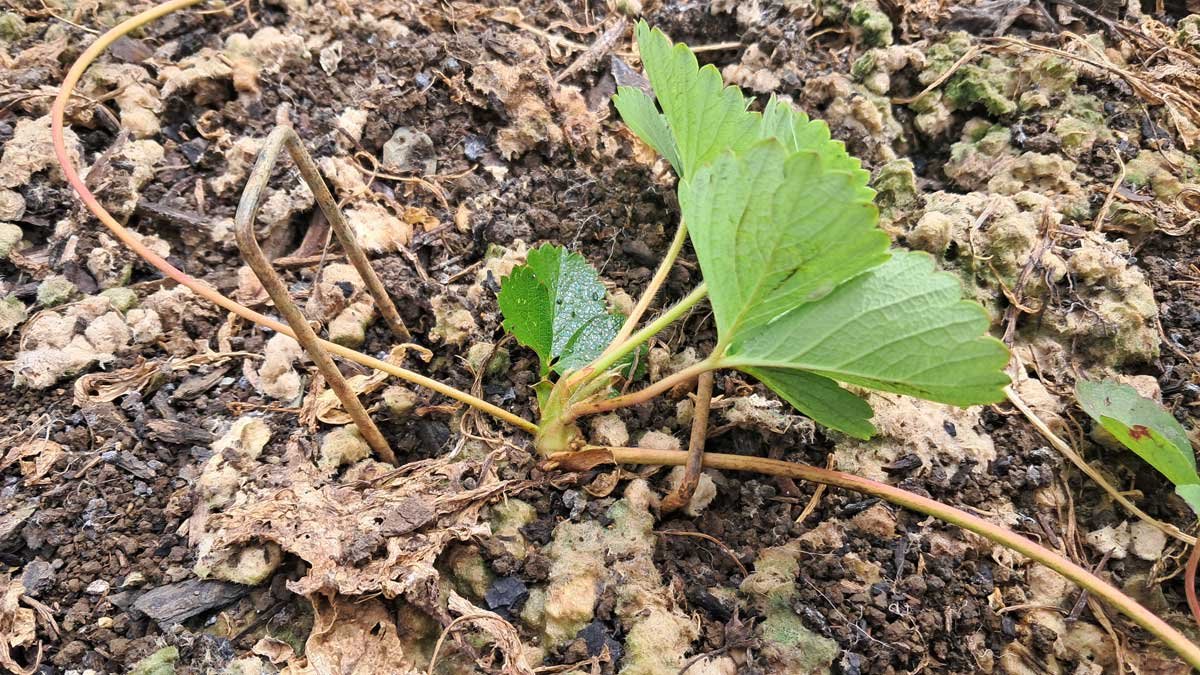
<point>682,494</point>
<point>594,53</point>
<point>816,496</point>
<point>1112,191</point>
<point>971,53</point>
<point>1189,582</point>
<point>248,244</point>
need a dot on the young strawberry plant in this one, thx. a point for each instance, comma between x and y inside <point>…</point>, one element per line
<point>805,293</point>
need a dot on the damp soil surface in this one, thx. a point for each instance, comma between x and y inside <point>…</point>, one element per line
<point>502,164</point>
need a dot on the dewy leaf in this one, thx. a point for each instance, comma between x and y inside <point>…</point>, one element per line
<point>705,117</point>
<point>1141,425</point>
<point>773,231</point>
<point>528,313</point>
<point>554,304</point>
<point>587,342</point>
<point>575,292</point>
<point>901,327</point>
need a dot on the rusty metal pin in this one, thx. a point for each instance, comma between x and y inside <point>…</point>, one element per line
<point>247,242</point>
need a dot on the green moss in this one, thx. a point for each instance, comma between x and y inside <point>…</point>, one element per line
<point>895,184</point>
<point>471,574</point>
<point>1086,108</point>
<point>864,65</point>
<point>942,56</point>
<point>122,299</point>
<point>55,290</point>
<point>161,662</point>
<point>1187,32</point>
<point>875,25</point>
<point>533,613</point>
<point>508,517</point>
<point>12,314</point>
<point>972,85</point>
<point>982,81</point>
<point>785,637</point>
<point>1125,217</point>
<point>1050,73</point>
<point>1165,172</point>
<point>1075,134</point>
<point>480,351</point>
<point>12,26</point>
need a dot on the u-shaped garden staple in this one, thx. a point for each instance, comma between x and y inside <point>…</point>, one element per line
<point>286,137</point>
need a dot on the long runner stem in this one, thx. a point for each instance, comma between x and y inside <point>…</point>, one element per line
<point>995,533</point>
<point>57,113</point>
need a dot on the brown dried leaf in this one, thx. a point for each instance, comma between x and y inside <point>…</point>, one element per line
<point>107,387</point>
<point>44,453</point>
<point>275,651</point>
<point>504,637</point>
<point>374,530</point>
<point>353,637</point>
<point>18,627</point>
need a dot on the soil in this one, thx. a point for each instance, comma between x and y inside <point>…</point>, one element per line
<point>110,520</point>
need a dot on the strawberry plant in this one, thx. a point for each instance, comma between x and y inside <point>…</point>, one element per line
<point>805,293</point>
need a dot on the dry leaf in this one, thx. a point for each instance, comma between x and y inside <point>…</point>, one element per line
<point>45,454</point>
<point>18,627</point>
<point>108,387</point>
<point>275,651</point>
<point>353,637</point>
<point>504,637</point>
<point>373,530</point>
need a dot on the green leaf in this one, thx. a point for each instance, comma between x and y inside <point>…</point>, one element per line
<point>773,231</point>
<point>796,132</point>
<point>900,327</point>
<point>820,398</point>
<point>643,118</point>
<point>555,304</point>
<point>528,313</point>
<point>702,118</point>
<point>1143,426</point>
<point>803,287</point>
<point>587,342</point>
<point>705,117</point>
<point>1190,493</point>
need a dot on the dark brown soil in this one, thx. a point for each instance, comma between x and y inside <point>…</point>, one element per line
<point>116,506</point>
